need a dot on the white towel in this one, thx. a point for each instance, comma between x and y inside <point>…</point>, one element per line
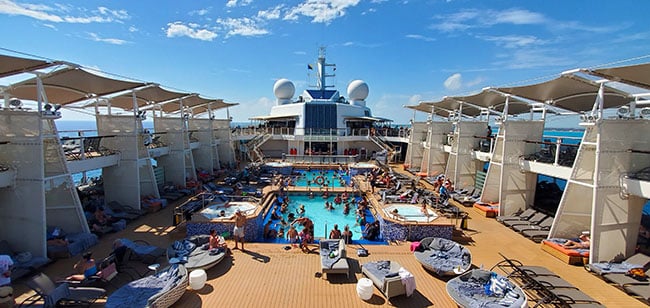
<point>408,280</point>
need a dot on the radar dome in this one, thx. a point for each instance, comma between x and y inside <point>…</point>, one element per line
<point>358,90</point>
<point>284,89</point>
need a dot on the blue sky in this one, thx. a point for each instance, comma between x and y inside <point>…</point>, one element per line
<point>407,51</point>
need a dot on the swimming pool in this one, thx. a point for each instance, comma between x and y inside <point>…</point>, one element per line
<point>213,211</point>
<point>313,178</point>
<point>323,219</point>
<point>409,212</point>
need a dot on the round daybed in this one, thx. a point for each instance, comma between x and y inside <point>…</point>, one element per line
<point>192,253</point>
<point>159,290</point>
<point>443,257</point>
<point>497,291</point>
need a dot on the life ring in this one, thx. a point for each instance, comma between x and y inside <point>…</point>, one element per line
<point>319,180</point>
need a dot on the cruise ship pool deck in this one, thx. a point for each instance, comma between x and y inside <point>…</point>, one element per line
<point>268,275</point>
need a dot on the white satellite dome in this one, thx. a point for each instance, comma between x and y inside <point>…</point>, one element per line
<point>284,89</point>
<point>358,90</point>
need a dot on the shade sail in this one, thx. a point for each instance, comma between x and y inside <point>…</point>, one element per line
<point>214,105</point>
<point>145,96</point>
<point>568,93</point>
<point>450,104</point>
<point>636,75</point>
<point>70,85</point>
<point>493,100</point>
<point>187,102</point>
<point>14,65</point>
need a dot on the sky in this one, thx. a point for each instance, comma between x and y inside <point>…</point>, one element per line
<point>407,51</point>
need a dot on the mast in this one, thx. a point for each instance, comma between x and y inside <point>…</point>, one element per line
<point>320,71</point>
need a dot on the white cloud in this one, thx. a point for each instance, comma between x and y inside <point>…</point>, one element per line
<point>113,41</point>
<point>241,26</point>
<point>453,82</point>
<point>200,12</point>
<point>472,18</point>
<point>420,37</point>
<point>178,29</point>
<point>272,13</point>
<point>321,11</point>
<point>60,13</point>
<point>414,99</point>
<point>514,41</point>
<point>133,29</point>
<point>234,3</point>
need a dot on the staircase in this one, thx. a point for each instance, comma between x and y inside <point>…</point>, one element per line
<point>385,146</point>
<point>253,151</point>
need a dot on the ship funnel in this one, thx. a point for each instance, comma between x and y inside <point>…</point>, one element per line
<point>284,90</point>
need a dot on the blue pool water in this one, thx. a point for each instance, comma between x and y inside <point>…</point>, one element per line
<point>332,178</point>
<point>323,219</point>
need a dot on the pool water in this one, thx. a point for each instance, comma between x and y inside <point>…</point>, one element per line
<point>410,212</point>
<point>333,178</point>
<point>323,219</point>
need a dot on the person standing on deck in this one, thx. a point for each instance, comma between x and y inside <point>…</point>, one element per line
<point>238,232</point>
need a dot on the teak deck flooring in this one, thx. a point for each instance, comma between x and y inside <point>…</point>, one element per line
<point>266,275</point>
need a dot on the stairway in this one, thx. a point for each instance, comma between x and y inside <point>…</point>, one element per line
<point>253,151</point>
<point>385,146</point>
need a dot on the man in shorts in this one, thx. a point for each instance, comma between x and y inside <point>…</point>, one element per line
<point>238,232</point>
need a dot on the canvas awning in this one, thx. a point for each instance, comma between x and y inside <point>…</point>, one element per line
<point>568,93</point>
<point>145,96</point>
<point>70,85</point>
<point>214,105</point>
<point>496,101</point>
<point>193,100</point>
<point>636,75</point>
<point>449,104</point>
<point>14,65</point>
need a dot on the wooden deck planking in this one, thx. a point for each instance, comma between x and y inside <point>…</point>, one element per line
<point>269,276</point>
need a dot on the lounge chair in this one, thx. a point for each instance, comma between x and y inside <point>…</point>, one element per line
<point>521,216</point>
<point>622,279</point>
<point>193,253</point>
<point>118,207</point>
<point>162,289</point>
<point>515,268</point>
<point>501,292</point>
<point>545,224</point>
<point>566,297</point>
<point>640,290</point>
<point>52,295</point>
<point>385,276</point>
<point>535,219</point>
<point>333,258</point>
<point>143,251</point>
<point>443,257</point>
<point>24,262</point>
<point>107,271</point>
<point>638,260</point>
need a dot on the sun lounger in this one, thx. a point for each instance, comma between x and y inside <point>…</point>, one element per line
<point>570,256</point>
<point>638,260</point>
<point>385,276</point>
<point>622,279</point>
<point>535,219</point>
<point>515,268</point>
<point>162,289</point>
<point>143,251</point>
<point>24,262</point>
<point>118,207</point>
<point>568,297</point>
<point>521,216</point>
<point>542,225</point>
<point>333,257</point>
<point>642,291</point>
<point>487,209</point>
<point>53,295</point>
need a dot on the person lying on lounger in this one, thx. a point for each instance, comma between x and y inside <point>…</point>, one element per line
<point>583,242</point>
<point>84,268</point>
